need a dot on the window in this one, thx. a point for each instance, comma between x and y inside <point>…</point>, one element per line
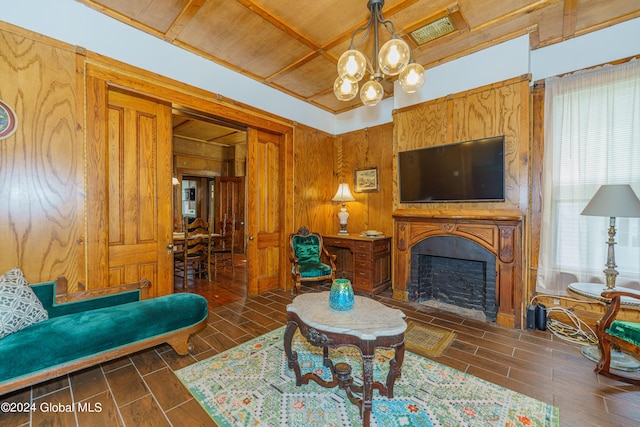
<point>592,137</point>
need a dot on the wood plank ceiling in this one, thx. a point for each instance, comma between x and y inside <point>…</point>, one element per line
<point>294,45</point>
<point>208,130</point>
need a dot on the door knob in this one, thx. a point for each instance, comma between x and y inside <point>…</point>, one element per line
<point>250,237</point>
<point>169,246</point>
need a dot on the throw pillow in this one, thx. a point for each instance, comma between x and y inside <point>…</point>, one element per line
<point>15,275</point>
<point>19,306</point>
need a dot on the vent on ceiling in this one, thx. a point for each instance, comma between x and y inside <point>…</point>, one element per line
<point>433,30</point>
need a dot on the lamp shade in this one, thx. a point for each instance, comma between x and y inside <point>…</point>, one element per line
<point>343,194</point>
<point>616,200</point>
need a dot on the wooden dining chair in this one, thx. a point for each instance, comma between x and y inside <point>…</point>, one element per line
<point>222,249</point>
<point>195,254</point>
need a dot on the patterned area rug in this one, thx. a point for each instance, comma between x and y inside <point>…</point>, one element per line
<point>251,385</point>
<point>427,340</point>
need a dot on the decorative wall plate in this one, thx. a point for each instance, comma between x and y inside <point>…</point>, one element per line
<point>8,121</point>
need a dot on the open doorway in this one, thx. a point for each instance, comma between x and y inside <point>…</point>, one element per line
<point>209,167</point>
<point>269,178</point>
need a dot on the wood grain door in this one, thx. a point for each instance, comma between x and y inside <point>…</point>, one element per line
<point>267,212</point>
<point>229,200</point>
<point>139,135</point>
<point>130,222</point>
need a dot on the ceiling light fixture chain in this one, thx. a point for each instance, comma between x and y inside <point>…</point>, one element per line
<point>395,58</point>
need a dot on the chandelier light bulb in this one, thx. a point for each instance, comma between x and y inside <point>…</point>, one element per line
<point>394,57</point>
<point>345,88</point>
<point>371,93</point>
<point>353,64</point>
<point>411,79</point>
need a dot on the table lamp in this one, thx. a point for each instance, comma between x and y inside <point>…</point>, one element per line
<point>616,200</point>
<point>343,195</point>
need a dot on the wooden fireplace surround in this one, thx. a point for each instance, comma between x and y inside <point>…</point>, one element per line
<point>500,233</point>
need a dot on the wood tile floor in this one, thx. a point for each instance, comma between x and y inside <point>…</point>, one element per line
<point>141,390</point>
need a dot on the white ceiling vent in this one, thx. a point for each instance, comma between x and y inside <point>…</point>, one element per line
<point>433,30</point>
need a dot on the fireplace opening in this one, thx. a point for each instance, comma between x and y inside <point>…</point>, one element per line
<point>455,274</point>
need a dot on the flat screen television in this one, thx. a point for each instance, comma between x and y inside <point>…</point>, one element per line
<point>466,171</point>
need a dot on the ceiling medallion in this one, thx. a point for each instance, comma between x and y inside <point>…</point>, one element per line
<point>394,58</point>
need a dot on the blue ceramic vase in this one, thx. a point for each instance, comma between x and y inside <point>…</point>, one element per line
<point>341,295</point>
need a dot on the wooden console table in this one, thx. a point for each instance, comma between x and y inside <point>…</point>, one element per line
<point>365,261</point>
<point>367,326</point>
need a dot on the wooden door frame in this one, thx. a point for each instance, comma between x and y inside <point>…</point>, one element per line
<point>189,98</point>
<point>180,173</point>
<point>285,164</point>
<point>97,247</point>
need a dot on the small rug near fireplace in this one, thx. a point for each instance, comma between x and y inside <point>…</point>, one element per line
<point>427,340</point>
<point>251,385</point>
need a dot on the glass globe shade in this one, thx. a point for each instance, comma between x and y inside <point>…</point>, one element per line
<point>394,56</point>
<point>411,79</point>
<point>371,93</point>
<point>353,64</point>
<point>345,88</point>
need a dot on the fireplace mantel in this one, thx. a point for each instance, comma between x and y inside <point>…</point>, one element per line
<point>500,232</point>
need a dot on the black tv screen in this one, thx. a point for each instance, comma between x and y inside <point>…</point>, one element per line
<point>461,172</point>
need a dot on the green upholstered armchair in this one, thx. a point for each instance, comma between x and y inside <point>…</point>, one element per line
<point>621,333</point>
<point>306,253</point>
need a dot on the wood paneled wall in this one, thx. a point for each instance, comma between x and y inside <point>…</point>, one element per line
<point>502,108</point>
<point>44,175</point>
<point>196,155</point>
<point>537,154</point>
<point>313,179</point>
<point>41,172</point>
<point>372,147</point>
<point>498,109</point>
<point>322,161</point>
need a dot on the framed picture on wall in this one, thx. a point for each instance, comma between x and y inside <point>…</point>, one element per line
<point>366,180</point>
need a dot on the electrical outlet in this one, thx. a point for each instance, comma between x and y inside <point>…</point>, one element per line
<point>556,302</point>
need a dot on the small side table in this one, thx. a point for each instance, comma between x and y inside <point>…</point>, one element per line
<point>367,326</point>
<point>594,291</point>
<point>619,360</point>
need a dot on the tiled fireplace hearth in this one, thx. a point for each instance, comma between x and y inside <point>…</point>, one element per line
<point>476,260</point>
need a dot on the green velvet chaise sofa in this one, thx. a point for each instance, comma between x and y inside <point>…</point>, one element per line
<point>82,333</point>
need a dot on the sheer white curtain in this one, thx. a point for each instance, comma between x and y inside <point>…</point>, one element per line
<point>592,137</point>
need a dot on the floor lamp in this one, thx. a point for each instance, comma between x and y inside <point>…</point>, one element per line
<point>613,201</point>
